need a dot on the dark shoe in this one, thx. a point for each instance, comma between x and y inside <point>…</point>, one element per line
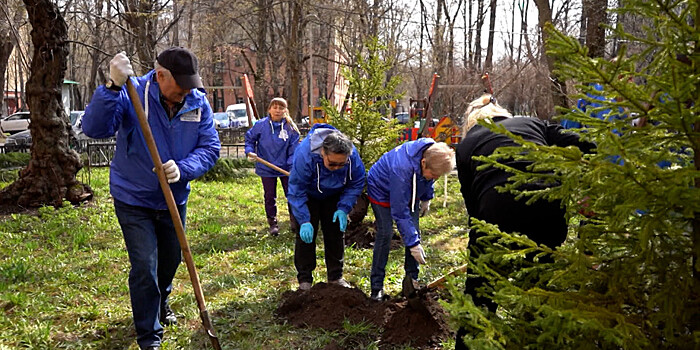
<point>274,231</point>
<point>377,295</point>
<point>153,348</point>
<point>167,316</point>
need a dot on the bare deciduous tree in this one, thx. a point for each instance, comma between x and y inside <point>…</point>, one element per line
<point>49,179</point>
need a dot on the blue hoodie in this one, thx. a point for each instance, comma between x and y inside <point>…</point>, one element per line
<point>396,181</point>
<point>189,139</point>
<point>310,178</point>
<point>264,140</point>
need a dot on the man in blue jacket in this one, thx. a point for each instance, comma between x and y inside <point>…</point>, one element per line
<point>181,121</point>
<point>397,184</point>
<point>326,178</point>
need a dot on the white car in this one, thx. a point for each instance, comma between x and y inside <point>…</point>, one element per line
<point>238,114</point>
<point>15,123</point>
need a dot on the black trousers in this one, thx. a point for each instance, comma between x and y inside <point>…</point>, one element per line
<point>542,222</point>
<point>334,241</point>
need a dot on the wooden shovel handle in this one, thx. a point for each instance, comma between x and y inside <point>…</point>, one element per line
<point>270,165</point>
<point>442,279</point>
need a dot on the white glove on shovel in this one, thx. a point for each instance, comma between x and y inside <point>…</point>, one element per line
<point>172,172</point>
<point>120,69</point>
<point>424,208</point>
<point>419,254</point>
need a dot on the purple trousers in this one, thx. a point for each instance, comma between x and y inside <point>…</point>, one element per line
<point>270,188</point>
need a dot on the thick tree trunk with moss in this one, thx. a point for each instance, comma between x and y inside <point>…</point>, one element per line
<point>49,179</point>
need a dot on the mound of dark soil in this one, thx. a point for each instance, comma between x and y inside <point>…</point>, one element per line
<point>407,325</point>
<point>362,236</point>
<point>327,306</point>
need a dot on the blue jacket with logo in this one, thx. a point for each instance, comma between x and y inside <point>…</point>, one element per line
<point>396,181</point>
<point>189,139</point>
<point>310,178</point>
<point>269,142</point>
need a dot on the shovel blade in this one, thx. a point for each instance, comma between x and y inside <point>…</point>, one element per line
<point>407,288</point>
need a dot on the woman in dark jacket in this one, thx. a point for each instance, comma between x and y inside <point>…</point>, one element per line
<point>542,221</point>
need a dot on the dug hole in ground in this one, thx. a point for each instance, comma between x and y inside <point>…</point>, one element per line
<point>327,306</point>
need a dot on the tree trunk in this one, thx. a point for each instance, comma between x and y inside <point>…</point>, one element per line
<point>489,47</point>
<point>477,38</point>
<point>6,47</point>
<point>595,17</point>
<point>50,176</point>
<point>293,61</point>
<point>142,21</point>
<point>557,87</point>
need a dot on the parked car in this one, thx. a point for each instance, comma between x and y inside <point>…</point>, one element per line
<point>18,141</point>
<point>238,114</point>
<point>403,118</point>
<point>221,120</point>
<point>15,123</point>
<point>23,139</point>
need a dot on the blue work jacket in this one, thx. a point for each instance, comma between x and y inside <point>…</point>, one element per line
<point>396,181</point>
<point>309,177</point>
<point>274,142</point>
<point>189,139</point>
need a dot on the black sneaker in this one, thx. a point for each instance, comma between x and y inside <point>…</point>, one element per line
<point>167,316</point>
<point>377,295</point>
<point>274,230</point>
<point>152,348</point>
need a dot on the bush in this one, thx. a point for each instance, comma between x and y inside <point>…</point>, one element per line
<point>14,159</point>
<point>227,169</point>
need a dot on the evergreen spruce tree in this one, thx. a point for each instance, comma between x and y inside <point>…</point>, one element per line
<point>368,123</point>
<point>628,276</point>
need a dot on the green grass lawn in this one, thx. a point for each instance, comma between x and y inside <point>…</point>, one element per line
<point>63,272</point>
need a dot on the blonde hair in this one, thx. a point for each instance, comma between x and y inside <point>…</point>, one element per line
<point>439,158</point>
<point>282,102</point>
<point>481,108</point>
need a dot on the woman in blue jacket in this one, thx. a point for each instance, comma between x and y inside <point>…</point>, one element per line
<point>397,183</point>
<point>274,139</point>
<point>325,181</point>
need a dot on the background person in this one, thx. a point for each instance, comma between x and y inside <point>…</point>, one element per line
<point>181,121</point>
<point>400,187</point>
<point>542,221</point>
<point>274,139</point>
<point>326,178</point>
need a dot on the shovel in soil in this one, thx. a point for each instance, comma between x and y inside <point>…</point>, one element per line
<point>414,296</point>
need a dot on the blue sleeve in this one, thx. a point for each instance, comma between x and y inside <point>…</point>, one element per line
<point>354,188</point>
<point>293,144</point>
<point>570,124</point>
<point>105,112</point>
<point>251,139</point>
<point>206,153</point>
<point>429,192</point>
<point>299,180</point>
<point>400,192</point>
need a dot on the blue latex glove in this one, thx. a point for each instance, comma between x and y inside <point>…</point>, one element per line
<point>342,219</point>
<point>306,231</point>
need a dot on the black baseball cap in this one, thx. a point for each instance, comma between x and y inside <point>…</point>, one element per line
<point>183,65</point>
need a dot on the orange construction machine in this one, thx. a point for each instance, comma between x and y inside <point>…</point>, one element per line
<point>443,130</point>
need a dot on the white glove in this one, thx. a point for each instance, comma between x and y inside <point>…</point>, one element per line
<point>172,172</point>
<point>120,69</point>
<point>252,156</point>
<point>424,208</point>
<point>418,254</point>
